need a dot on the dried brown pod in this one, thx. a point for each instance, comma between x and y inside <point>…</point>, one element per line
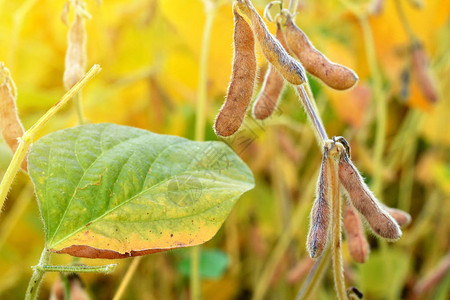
<point>10,124</point>
<point>356,238</point>
<point>365,202</point>
<point>420,67</point>
<point>240,90</point>
<point>332,74</point>
<point>75,62</point>
<point>272,88</point>
<point>320,213</point>
<point>272,49</point>
<point>402,218</point>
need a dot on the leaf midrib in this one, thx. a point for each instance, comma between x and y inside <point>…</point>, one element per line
<point>90,166</point>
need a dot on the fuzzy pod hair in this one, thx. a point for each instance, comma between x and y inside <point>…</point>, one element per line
<point>320,213</point>
<point>365,202</point>
<point>75,61</point>
<point>272,49</point>
<point>332,74</point>
<point>240,90</point>
<point>356,239</point>
<point>10,123</point>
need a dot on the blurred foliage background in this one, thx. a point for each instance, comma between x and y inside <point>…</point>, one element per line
<point>150,51</point>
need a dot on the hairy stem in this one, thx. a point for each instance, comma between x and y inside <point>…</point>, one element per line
<point>28,136</point>
<point>77,269</point>
<point>127,278</point>
<point>38,275</point>
<point>307,100</point>
<point>336,243</point>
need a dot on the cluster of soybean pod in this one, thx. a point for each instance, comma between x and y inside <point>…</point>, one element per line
<point>289,53</point>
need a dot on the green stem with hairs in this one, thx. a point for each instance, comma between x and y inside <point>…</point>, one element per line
<point>38,275</point>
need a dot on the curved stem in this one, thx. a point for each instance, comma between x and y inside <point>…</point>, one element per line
<point>38,275</point>
<point>28,136</point>
<point>126,280</point>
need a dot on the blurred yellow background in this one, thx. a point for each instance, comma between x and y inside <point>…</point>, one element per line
<point>149,51</point>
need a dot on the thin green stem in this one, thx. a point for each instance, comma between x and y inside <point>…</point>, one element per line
<point>404,20</point>
<point>127,278</point>
<point>27,138</point>
<point>77,268</point>
<point>200,121</point>
<point>66,286</point>
<point>78,102</point>
<point>195,283</point>
<point>380,102</point>
<point>293,6</point>
<point>306,97</point>
<point>336,243</point>
<point>315,275</point>
<point>14,215</point>
<point>38,275</point>
<point>283,242</point>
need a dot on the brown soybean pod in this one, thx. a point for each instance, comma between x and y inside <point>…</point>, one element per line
<point>420,66</point>
<point>365,202</point>
<point>273,85</point>
<point>10,123</point>
<point>332,74</point>
<point>242,81</point>
<point>356,239</point>
<point>320,213</point>
<point>272,49</point>
<point>402,218</point>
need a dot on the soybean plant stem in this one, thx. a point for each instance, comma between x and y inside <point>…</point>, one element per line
<point>315,275</point>
<point>308,102</point>
<point>404,21</point>
<point>128,275</point>
<point>78,101</point>
<point>77,268</point>
<point>38,275</point>
<point>380,102</point>
<point>28,136</point>
<point>293,6</point>
<point>200,121</point>
<point>336,243</point>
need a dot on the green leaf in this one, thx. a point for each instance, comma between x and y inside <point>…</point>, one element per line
<point>213,264</point>
<point>110,191</point>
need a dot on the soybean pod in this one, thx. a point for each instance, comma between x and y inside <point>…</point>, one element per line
<point>272,49</point>
<point>332,74</point>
